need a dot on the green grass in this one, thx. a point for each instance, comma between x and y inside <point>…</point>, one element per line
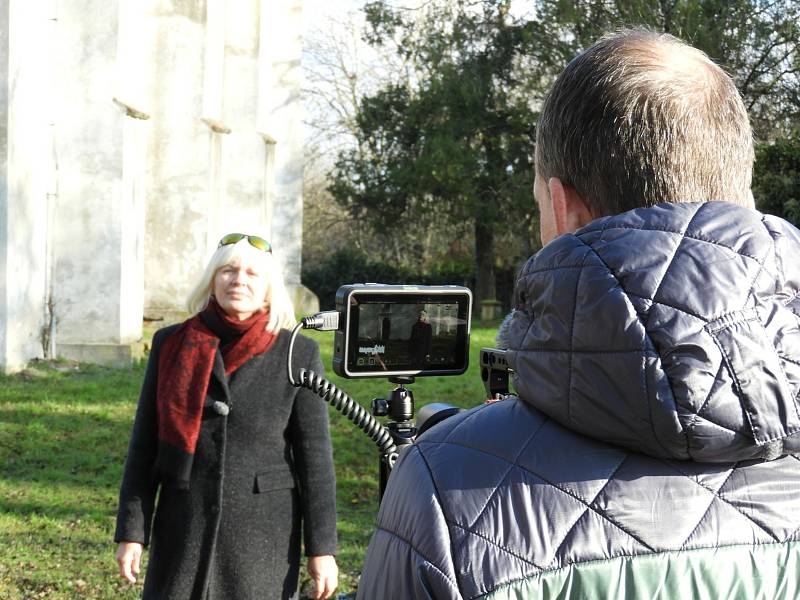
<point>64,432</point>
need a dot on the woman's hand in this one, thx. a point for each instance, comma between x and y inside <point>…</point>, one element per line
<point>129,556</point>
<point>325,575</point>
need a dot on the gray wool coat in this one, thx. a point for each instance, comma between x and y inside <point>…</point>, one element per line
<point>258,473</point>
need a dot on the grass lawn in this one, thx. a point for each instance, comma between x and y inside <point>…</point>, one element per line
<point>64,432</point>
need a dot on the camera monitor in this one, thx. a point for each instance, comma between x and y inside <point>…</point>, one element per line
<point>396,330</point>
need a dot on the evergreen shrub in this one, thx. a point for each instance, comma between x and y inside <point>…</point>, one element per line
<point>349,265</point>
<point>776,179</point>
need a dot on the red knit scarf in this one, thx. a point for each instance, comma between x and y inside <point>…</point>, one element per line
<point>184,369</point>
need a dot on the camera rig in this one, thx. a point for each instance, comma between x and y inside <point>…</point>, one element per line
<point>402,360</point>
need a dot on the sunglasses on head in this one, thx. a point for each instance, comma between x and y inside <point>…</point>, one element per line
<point>254,240</point>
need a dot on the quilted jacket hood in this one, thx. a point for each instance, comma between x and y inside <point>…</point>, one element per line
<point>672,330</point>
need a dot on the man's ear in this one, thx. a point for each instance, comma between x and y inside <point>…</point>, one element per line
<point>569,209</point>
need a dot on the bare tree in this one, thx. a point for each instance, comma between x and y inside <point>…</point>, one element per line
<point>341,68</point>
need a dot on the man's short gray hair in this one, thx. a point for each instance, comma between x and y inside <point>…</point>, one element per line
<point>641,118</point>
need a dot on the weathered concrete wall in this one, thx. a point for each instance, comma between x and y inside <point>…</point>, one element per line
<point>280,117</point>
<point>7,359</point>
<point>233,151</point>
<point>98,215</point>
<point>24,164</point>
<point>244,201</point>
<point>177,168</point>
<point>5,346</point>
<point>133,134</point>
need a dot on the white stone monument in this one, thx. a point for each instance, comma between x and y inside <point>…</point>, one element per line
<point>133,134</point>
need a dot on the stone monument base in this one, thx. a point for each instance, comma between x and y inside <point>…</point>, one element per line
<point>108,355</point>
<point>305,301</point>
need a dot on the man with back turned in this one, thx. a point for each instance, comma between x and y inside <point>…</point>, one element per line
<point>655,345</point>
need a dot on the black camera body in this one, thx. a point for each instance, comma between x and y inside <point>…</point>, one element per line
<point>402,330</point>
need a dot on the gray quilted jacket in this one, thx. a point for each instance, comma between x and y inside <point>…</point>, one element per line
<point>650,453</point>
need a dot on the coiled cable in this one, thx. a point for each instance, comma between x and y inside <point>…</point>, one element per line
<point>342,402</point>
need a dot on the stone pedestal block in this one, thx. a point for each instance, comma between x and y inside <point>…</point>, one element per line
<point>491,309</point>
<point>111,355</point>
<point>305,301</point>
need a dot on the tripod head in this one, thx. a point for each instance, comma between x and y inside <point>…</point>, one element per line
<point>399,404</point>
<point>399,407</point>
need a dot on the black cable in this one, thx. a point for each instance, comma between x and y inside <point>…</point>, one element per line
<point>345,404</point>
<point>295,331</point>
<point>342,402</point>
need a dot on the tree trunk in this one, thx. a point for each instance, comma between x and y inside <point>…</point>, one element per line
<point>484,259</point>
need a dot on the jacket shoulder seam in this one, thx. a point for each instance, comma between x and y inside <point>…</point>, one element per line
<point>585,502</point>
<point>417,551</point>
<point>441,510</point>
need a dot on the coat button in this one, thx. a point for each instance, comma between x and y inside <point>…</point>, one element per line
<point>214,509</point>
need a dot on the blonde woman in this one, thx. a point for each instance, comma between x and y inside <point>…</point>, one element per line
<point>239,458</point>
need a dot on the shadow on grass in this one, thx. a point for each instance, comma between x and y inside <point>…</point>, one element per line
<point>58,457</point>
<point>72,383</point>
<point>55,509</point>
<point>64,421</point>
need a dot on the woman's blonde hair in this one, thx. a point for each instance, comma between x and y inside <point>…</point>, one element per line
<point>281,310</point>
